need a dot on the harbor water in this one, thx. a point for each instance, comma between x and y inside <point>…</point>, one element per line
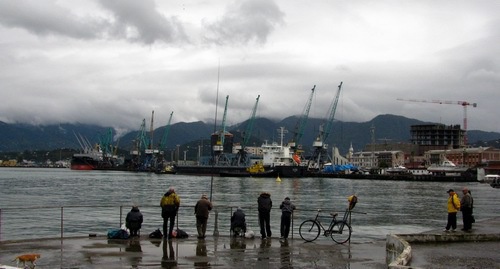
<point>46,203</point>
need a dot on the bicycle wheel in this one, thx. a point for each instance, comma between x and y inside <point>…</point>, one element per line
<point>309,230</point>
<point>341,232</point>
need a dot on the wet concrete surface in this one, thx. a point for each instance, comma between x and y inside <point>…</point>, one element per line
<point>453,250</point>
<point>457,253</point>
<point>212,252</point>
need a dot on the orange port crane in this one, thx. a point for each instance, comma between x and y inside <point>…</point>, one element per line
<point>464,104</point>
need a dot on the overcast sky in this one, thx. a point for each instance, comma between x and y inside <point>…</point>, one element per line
<point>111,62</point>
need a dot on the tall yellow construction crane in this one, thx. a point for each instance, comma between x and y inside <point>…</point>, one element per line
<point>464,104</point>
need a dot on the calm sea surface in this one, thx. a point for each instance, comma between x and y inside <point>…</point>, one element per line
<point>42,203</point>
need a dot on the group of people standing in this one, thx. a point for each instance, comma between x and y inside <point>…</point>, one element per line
<point>465,205</point>
<point>170,203</point>
<point>264,207</point>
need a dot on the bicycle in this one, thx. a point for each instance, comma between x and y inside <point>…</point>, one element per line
<point>339,230</point>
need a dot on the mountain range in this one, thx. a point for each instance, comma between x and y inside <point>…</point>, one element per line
<point>385,129</point>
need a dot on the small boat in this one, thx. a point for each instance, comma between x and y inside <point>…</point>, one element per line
<point>397,170</point>
<point>447,168</point>
<point>495,180</point>
<point>489,178</point>
<point>168,169</point>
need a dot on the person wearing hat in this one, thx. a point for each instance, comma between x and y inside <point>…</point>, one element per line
<point>287,209</point>
<point>466,208</point>
<point>133,221</point>
<point>453,207</point>
<point>201,210</point>
<point>238,222</point>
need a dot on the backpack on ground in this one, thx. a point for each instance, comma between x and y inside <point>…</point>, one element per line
<point>156,234</point>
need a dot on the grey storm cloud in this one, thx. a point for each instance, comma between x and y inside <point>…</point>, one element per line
<point>44,18</point>
<point>140,21</point>
<point>118,60</point>
<point>135,21</point>
<point>245,21</point>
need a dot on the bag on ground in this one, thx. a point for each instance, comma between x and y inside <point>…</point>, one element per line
<point>117,234</point>
<point>156,234</point>
<point>179,234</point>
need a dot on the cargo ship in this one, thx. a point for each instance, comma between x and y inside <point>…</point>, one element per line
<point>86,161</point>
<point>281,159</point>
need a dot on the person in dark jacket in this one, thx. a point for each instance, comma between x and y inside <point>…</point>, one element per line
<point>133,221</point>
<point>169,203</point>
<point>201,210</point>
<point>287,209</point>
<point>238,222</point>
<point>264,205</point>
<point>466,208</point>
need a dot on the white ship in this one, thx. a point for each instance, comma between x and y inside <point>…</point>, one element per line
<point>447,167</point>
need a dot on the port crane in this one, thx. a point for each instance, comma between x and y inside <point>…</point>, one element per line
<point>163,141</point>
<point>464,104</point>
<point>140,141</point>
<point>106,145</point>
<point>150,152</point>
<point>320,155</point>
<point>299,128</point>
<point>241,155</point>
<point>163,144</point>
<point>218,149</point>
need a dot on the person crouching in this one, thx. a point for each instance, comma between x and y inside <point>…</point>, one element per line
<point>134,220</point>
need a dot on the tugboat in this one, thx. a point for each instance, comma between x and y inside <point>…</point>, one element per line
<point>256,170</point>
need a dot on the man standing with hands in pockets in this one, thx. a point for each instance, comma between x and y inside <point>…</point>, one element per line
<point>264,205</point>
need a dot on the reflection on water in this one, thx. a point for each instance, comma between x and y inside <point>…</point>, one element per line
<point>168,260</point>
<point>383,207</point>
<point>285,255</point>
<point>201,254</point>
<point>134,245</point>
<point>263,255</point>
<point>238,243</point>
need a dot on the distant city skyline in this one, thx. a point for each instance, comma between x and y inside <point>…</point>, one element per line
<point>111,63</point>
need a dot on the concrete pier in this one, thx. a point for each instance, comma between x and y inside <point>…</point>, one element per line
<point>433,249</point>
